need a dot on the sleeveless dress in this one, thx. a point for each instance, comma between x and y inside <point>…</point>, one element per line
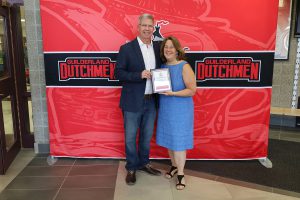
<point>175,124</point>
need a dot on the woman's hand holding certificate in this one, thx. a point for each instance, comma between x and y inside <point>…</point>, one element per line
<point>161,80</point>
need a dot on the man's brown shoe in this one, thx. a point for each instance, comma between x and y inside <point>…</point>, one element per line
<point>150,170</point>
<point>130,178</point>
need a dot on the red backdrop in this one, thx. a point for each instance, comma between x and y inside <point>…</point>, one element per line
<point>231,115</point>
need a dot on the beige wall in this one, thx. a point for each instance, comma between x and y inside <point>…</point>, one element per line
<point>37,75</point>
<point>283,75</point>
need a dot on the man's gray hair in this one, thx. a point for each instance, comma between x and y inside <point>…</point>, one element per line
<point>146,16</point>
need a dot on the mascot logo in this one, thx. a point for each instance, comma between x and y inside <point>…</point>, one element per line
<point>157,36</point>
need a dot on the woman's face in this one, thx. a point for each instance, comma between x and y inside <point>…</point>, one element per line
<point>170,51</point>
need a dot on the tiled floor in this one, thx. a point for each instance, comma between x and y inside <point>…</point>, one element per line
<point>66,179</point>
<point>90,179</point>
<point>31,177</point>
<point>151,187</point>
<point>22,159</point>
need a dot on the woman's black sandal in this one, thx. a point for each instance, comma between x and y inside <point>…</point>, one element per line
<point>172,172</point>
<point>180,177</point>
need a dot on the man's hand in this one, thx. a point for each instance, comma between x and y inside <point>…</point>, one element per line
<point>146,74</point>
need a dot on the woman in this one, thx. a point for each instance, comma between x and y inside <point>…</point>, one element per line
<point>175,124</point>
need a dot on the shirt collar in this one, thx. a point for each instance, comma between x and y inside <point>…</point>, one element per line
<point>141,42</point>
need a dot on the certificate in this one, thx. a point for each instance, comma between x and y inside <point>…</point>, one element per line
<point>161,80</point>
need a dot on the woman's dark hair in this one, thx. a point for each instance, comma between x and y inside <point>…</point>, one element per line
<point>176,43</point>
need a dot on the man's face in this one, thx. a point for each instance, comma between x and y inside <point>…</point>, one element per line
<point>145,29</point>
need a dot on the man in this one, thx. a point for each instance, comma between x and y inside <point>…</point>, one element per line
<point>138,103</point>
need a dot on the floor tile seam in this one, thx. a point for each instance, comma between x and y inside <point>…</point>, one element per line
<point>37,176</point>
<point>83,158</point>
<point>26,156</point>
<point>43,169</point>
<point>56,194</point>
<point>83,188</point>
<point>49,165</point>
<point>291,139</point>
<point>71,188</point>
<point>283,138</point>
<point>100,175</point>
<point>227,180</point>
<point>16,174</point>
<point>111,174</point>
<point>22,164</point>
<point>112,163</point>
<point>35,189</point>
<point>118,175</point>
<point>262,188</point>
<point>245,184</point>
<point>229,191</point>
<point>203,175</point>
<point>69,165</point>
<point>216,178</point>
<point>95,165</point>
<point>92,164</point>
<point>286,192</point>
<point>172,191</point>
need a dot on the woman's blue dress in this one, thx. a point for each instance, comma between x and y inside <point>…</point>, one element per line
<point>175,124</point>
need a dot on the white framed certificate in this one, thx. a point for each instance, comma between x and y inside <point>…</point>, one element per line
<point>161,80</point>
